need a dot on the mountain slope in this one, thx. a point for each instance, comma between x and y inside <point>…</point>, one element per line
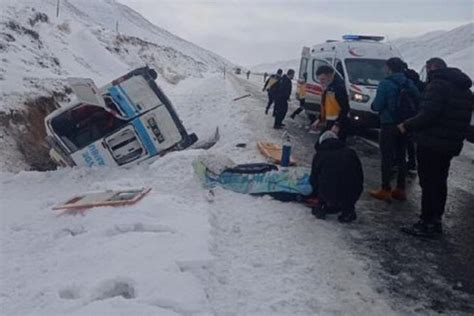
<point>39,49</point>
<point>455,46</point>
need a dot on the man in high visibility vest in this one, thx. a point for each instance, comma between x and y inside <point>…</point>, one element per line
<point>301,95</point>
<point>334,102</point>
<point>271,86</point>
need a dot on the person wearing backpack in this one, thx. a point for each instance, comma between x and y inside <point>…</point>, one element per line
<point>395,102</point>
<point>271,86</point>
<point>441,127</point>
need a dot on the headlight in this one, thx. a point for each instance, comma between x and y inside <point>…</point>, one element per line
<point>359,97</point>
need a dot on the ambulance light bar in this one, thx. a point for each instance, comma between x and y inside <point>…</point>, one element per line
<point>351,37</point>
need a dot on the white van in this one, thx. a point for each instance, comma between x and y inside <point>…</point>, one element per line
<point>359,60</point>
<point>126,121</point>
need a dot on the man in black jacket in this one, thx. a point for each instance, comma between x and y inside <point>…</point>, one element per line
<point>411,150</point>
<point>270,86</point>
<point>282,95</point>
<point>336,177</point>
<point>440,127</point>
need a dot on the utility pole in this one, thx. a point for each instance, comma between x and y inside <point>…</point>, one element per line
<point>57,8</point>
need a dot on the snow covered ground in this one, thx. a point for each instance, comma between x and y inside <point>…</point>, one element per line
<point>174,253</point>
<point>98,39</point>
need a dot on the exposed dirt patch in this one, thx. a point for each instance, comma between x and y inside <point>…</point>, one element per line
<point>27,128</point>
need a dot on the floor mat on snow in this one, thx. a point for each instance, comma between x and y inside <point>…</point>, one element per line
<point>105,198</point>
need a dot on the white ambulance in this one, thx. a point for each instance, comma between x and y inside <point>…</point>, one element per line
<point>359,60</point>
<point>126,121</point>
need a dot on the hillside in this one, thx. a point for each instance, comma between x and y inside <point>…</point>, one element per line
<point>455,46</point>
<point>99,39</point>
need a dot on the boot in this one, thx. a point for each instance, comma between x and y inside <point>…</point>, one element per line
<point>319,211</point>
<point>424,229</point>
<point>347,217</point>
<point>381,194</point>
<point>399,194</point>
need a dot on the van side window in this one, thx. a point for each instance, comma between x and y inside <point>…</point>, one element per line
<point>303,68</point>
<point>339,68</point>
<point>316,64</point>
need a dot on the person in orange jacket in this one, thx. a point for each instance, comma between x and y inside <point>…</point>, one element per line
<point>301,95</point>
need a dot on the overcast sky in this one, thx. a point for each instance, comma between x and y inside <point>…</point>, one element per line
<point>249,32</point>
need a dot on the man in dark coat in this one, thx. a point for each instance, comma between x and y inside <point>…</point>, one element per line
<point>411,151</point>
<point>440,129</point>
<point>282,95</point>
<point>336,177</point>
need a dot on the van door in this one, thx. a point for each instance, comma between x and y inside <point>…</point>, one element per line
<point>86,91</point>
<point>303,68</point>
<point>133,97</point>
<point>313,87</point>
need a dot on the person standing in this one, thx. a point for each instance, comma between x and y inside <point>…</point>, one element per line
<point>411,147</point>
<point>301,95</point>
<point>334,102</point>
<point>282,95</point>
<point>265,75</point>
<point>440,128</point>
<point>270,86</point>
<point>248,74</point>
<point>393,145</point>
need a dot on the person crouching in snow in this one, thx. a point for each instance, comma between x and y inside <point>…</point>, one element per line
<point>336,177</point>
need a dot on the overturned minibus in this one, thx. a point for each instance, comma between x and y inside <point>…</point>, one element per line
<point>126,121</point>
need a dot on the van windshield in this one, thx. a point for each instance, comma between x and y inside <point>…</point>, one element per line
<point>84,125</point>
<point>367,72</point>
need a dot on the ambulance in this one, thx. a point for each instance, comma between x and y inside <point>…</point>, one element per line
<point>126,121</point>
<point>359,60</point>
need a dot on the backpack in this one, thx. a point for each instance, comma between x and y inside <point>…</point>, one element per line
<point>274,88</point>
<point>406,106</point>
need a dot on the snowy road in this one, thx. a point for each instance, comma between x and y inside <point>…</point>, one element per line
<point>176,254</point>
<point>418,275</point>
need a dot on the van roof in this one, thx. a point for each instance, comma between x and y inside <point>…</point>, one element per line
<point>355,48</point>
